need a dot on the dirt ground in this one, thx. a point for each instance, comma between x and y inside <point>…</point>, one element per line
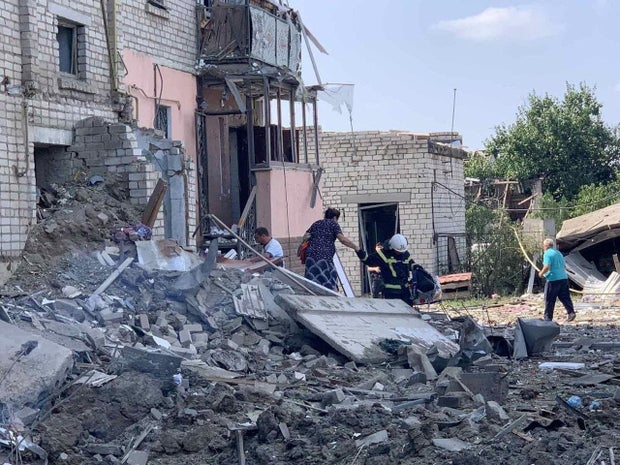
<point>293,399</point>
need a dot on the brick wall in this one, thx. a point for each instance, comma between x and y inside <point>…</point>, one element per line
<point>106,148</point>
<point>396,164</point>
<point>17,194</point>
<point>59,101</point>
<point>144,28</point>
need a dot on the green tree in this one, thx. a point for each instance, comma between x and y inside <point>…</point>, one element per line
<point>564,142</point>
<point>496,261</point>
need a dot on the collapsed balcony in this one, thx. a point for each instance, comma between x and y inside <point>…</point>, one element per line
<point>257,123</point>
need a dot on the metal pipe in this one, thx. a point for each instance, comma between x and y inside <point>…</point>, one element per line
<point>267,112</point>
<point>222,225</point>
<point>315,113</point>
<point>250,130</point>
<point>305,127</point>
<point>291,99</point>
<point>24,172</point>
<point>280,150</point>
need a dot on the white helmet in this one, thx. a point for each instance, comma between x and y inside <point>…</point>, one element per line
<point>398,242</point>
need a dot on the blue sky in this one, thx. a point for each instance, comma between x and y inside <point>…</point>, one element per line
<point>405,58</point>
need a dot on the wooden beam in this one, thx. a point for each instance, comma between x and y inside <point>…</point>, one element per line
<point>154,203</point>
<point>247,208</point>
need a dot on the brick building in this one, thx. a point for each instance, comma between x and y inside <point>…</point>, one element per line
<point>78,80</point>
<point>209,97</point>
<point>388,182</point>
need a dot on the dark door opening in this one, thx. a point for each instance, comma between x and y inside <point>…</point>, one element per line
<point>378,222</point>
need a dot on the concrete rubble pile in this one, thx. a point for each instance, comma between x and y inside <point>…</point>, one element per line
<point>106,359</point>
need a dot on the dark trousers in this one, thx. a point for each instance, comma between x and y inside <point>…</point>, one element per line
<point>402,294</point>
<point>557,290</point>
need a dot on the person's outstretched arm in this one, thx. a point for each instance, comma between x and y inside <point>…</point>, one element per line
<point>347,242</point>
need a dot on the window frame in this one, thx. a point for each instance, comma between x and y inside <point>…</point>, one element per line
<point>168,110</point>
<point>74,28</point>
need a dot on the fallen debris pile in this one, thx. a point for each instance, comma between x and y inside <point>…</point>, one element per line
<point>106,360</point>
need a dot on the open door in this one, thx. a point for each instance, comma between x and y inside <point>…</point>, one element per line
<point>378,222</point>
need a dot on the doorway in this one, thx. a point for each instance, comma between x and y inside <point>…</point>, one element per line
<point>378,222</point>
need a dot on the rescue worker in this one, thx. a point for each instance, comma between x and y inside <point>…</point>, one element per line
<point>395,265</point>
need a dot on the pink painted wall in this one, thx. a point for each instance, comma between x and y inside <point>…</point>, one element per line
<point>178,91</point>
<point>283,201</point>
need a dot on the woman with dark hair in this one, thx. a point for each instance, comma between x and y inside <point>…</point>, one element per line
<point>320,253</point>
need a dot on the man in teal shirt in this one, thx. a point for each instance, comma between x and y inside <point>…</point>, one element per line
<point>556,287</point>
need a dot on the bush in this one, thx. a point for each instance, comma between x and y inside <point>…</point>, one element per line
<point>496,260</point>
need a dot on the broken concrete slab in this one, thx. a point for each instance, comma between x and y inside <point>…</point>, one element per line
<point>533,337</point>
<point>159,364</point>
<point>137,457</point>
<point>29,375</point>
<point>356,326</point>
<point>375,438</point>
<point>493,385</point>
<point>451,444</point>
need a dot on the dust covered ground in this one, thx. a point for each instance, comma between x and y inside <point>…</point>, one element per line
<point>274,393</point>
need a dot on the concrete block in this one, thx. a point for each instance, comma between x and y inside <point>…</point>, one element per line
<point>185,338</point>
<point>193,328</point>
<point>335,396</point>
<point>27,415</point>
<point>183,351</point>
<point>353,326</point>
<point>137,457</point>
<point>492,385</point>
<point>108,316</point>
<point>143,321</point>
<point>495,412</point>
<point>104,449</point>
<point>452,401</point>
<point>29,378</point>
<point>159,364</point>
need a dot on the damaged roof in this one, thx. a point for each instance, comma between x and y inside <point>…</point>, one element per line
<point>586,227</point>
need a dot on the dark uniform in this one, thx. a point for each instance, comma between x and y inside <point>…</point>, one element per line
<point>396,268</point>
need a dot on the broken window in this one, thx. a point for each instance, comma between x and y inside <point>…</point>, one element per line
<point>162,120</point>
<point>67,37</point>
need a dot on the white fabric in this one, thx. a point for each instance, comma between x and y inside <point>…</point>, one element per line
<point>337,95</point>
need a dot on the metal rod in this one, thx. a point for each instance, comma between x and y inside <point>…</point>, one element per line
<point>280,148</point>
<point>223,225</point>
<point>453,111</point>
<point>267,112</point>
<point>249,122</point>
<point>315,113</point>
<point>291,99</point>
<point>305,128</point>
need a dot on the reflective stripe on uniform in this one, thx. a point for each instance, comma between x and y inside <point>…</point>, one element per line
<point>390,263</point>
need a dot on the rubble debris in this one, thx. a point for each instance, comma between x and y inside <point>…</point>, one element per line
<point>167,368</point>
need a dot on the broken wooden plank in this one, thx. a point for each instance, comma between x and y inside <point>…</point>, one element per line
<point>154,203</point>
<point>247,208</point>
<point>115,274</point>
<point>240,451</point>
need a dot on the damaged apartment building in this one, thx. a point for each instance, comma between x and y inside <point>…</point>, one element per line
<point>195,93</point>
<point>88,89</point>
<point>207,96</point>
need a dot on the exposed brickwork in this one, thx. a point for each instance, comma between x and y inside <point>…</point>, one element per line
<point>397,163</point>
<point>29,51</point>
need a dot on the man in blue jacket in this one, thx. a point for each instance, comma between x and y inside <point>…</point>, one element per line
<point>556,287</point>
